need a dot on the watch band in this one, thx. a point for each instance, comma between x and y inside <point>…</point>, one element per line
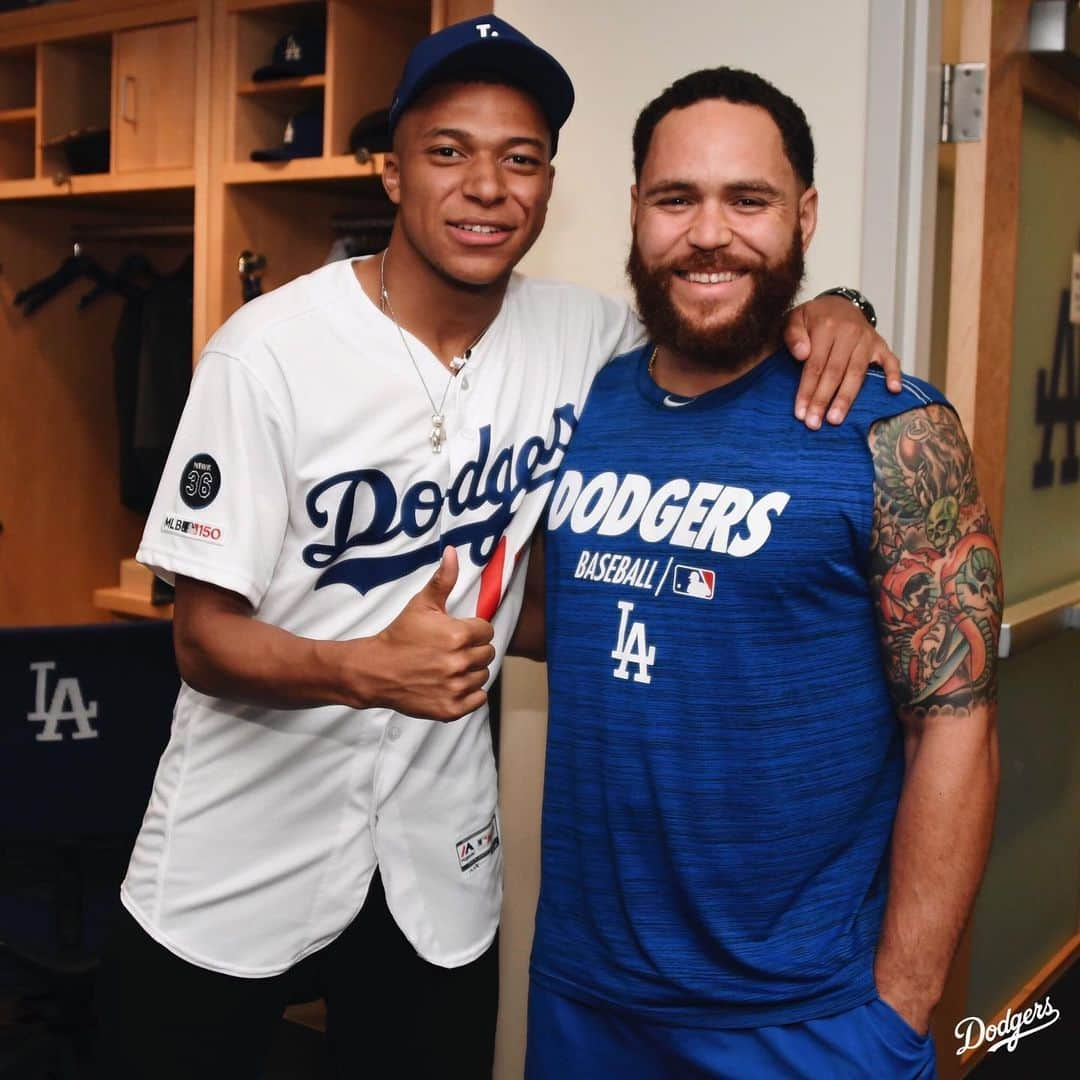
<point>857,299</point>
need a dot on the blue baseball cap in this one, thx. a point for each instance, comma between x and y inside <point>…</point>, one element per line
<point>303,52</point>
<point>486,44</point>
<point>303,138</point>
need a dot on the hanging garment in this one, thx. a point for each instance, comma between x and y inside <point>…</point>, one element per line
<point>152,355</point>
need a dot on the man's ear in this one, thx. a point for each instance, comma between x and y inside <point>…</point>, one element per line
<point>391,178</point>
<point>808,203</point>
<point>633,206</point>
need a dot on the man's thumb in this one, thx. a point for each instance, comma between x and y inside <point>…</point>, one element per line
<point>444,579</point>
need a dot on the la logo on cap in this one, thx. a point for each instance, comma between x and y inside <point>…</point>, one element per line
<point>289,133</point>
<point>293,52</point>
<point>485,30</point>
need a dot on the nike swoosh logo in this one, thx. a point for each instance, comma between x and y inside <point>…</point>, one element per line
<point>672,403</point>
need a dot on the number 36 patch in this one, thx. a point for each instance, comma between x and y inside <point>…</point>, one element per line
<point>200,482</point>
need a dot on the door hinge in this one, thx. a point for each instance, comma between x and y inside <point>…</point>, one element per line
<point>963,102</point>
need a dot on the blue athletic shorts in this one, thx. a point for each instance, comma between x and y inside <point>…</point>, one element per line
<point>572,1041</point>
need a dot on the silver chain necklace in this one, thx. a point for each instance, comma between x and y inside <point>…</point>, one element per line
<point>437,435</point>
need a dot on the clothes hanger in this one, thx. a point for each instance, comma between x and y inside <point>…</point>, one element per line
<point>123,280</point>
<point>74,267</point>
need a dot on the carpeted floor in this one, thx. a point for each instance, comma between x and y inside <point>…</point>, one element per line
<point>1051,1054</point>
<point>34,1052</point>
<point>298,1053</point>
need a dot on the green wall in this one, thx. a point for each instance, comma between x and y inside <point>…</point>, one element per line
<point>1028,904</point>
<point>1030,900</point>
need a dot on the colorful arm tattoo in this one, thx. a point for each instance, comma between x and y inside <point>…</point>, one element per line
<point>934,566</point>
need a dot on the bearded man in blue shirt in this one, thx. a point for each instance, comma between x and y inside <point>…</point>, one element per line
<point>772,759</point>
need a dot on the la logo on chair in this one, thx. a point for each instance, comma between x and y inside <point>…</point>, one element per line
<point>66,704</point>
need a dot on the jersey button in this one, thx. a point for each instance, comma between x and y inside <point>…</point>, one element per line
<point>394,733</point>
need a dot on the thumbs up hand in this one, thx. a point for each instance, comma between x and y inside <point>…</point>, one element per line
<point>432,665</point>
<point>437,591</point>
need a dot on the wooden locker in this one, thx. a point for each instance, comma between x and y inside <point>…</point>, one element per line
<point>154,97</point>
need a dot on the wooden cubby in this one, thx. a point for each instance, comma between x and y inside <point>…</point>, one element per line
<point>366,45</point>
<point>259,111</point>
<point>120,66</point>
<point>171,79</point>
<point>17,142</point>
<point>73,95</point>
<point>17,89</point>
<point>18,113</point>
<point>257,204</point>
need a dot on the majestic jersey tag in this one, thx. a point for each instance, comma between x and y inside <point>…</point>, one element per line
<point>477,847</point>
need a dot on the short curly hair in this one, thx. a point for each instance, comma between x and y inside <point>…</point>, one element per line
<point>740,88</point>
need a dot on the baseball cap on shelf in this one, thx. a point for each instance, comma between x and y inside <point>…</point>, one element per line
<point>371,133</point>
<point>303,138</point>
<point>303,52</point>
<point>486,45</point>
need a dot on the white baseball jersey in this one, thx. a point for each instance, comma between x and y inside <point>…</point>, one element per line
<point>302,478</point>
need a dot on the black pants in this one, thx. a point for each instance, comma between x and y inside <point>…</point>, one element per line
<point>389,1013</point>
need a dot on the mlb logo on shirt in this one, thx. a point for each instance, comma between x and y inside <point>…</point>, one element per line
<point>694,581</point>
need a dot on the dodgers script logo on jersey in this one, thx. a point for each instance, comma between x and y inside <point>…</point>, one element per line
<point>499,484</point>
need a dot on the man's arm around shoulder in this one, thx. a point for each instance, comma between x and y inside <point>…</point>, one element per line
<point>936,576</point>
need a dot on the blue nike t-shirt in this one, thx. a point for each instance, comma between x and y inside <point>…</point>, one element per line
<point>724,760</point>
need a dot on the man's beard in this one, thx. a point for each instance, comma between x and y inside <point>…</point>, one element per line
<point>731,345</point>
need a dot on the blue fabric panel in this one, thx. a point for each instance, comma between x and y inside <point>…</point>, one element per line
<point>121,679</point>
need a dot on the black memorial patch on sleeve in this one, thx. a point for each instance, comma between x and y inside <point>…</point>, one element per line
<point>200,481</point>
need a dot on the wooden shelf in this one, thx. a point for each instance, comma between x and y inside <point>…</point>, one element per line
<point>44,187</point>
<point>342,167</point>
<point>282,86</point>
<point>124,603</point>
<point>17,141</point>
<point>269,5</point>
<point>18,116</point>
<point>1032,621</point>
<point>80,18</point>
<point>412,7</point>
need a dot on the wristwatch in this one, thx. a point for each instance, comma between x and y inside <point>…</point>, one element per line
<point>857,299</point>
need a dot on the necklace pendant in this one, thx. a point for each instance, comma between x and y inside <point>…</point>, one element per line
<point>438,433</point>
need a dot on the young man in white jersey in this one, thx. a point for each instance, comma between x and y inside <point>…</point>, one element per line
<point>323,821</point>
